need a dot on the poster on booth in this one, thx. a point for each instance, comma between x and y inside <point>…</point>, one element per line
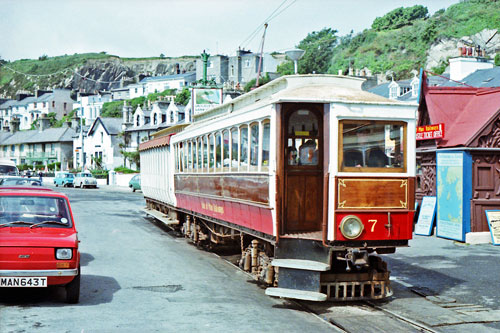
<point>204,99</point>
<point>452,214</point>
<point>426,216</point>
<point>493,217</point>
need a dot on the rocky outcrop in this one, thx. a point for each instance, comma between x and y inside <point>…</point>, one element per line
<point>115,72</point>
<point>444,49</point>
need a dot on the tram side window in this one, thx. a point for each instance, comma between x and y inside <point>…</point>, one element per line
<point>199,154</point>
<point>254,146</point>
<point>266,137</point>
<point>190,156</point>
<point>218,152</point>
<point>225,140</point>
<point>211,141</point>
<point>205,154</point>
<point>185,158</point>
<point>372,146</point>
<point>234,149</point>
<point>243,148</point>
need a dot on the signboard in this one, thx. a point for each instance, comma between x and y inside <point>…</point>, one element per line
<point>454,192</point>
<point>204,99</point>
<point>426,216</point>
<point>429,132</point>
<point>493,217</point>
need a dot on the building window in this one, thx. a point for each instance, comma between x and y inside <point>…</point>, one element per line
<point>65,105</point>
<point>53,104</point>
<point>102,137</point>
<point>34,105</point>
<point>247,63</point>
<point>393,90</point>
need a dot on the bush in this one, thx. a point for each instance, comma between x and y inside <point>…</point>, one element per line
<point>99,174</point>
<point>125,170</point>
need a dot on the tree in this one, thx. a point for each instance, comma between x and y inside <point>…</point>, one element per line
<point>183,97</point>
<point>399,17</point>
<point>162,56</point>
<point>319,50</point>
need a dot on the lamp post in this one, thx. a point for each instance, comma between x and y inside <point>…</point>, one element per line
<point>295,55</point>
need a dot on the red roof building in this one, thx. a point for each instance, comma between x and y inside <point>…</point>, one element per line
<point>471,118</point>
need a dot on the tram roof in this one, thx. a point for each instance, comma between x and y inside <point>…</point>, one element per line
<point>312,88</point>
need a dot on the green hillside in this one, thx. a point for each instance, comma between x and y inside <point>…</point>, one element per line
<point>394,43</point>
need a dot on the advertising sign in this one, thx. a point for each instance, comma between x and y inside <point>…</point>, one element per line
<point>426,216</point>
<point>204,99</point>
<point>493,217</point>
<point>454,191</point>
<point>429,132</point>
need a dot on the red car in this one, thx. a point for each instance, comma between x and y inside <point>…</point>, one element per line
<point>38,241</point>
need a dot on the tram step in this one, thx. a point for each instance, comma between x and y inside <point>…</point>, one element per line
<point>309,265</point>
<point>160,216</point>
<point>296,294</point>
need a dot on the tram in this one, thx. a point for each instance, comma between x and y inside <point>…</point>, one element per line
<point>309,176</point>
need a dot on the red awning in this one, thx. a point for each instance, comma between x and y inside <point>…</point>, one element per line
<point>157,142</point>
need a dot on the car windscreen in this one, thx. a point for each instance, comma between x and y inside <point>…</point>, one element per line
<point>8,170</point>
<point>19,181</point>
<point>34,209</point>
<point>69,175</point>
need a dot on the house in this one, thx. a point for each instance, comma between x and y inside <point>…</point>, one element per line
<point>240,69</point>
<point>119,94</point>
<point>90,105</point>
<point>462,168</point>
<point>158,84</point>
<point>136,90</point>
<point>39,147</point>
<point>101,145</point>
<point>28,108</point>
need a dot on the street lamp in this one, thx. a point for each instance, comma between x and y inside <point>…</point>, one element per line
<point>295,55</point>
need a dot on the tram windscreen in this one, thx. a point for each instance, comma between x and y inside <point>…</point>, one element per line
<point>372,146</point>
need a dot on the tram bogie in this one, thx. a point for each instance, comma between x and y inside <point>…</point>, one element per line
<point>309,176</point>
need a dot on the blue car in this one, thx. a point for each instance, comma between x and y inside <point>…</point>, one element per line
<point>64,179</point>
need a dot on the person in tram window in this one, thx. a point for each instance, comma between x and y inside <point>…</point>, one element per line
<point>292,156</point>
<point>377,158</point>
<point>308,153</point>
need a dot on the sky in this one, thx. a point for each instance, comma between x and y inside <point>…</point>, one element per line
<point>148,28</point>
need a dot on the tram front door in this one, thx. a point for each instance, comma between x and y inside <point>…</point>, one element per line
<point>303,168</point>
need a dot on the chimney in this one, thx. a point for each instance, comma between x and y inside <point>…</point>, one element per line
<point>43,122</point>
<point>14,125</point>
<point>461,67</point>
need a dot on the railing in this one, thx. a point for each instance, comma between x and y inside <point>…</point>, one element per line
<point>41,154</point>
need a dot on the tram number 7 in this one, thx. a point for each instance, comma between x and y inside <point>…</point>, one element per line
<point>373,225</point>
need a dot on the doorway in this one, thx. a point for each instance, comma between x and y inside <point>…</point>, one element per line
<point>303,167</point>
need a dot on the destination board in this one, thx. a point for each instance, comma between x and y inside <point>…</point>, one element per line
<point>493,217</point>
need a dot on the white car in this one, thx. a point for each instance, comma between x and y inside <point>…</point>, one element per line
<point>84,179</point>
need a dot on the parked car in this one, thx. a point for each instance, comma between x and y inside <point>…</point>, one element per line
<point>38,241</point>
<point>135,183</point>
<point>8,168</point>
<point>14,181</point>
<point>85,179</point>
<point>64,179</point>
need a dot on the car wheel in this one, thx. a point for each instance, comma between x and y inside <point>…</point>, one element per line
<point>133,189</point>
<point>73,290</point>
<point>56,185</point>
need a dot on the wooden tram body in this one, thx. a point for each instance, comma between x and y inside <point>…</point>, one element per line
<point>309,174</point>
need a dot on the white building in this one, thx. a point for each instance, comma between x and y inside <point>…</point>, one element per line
<point>158,84</point>
<point>101,145</point>
<point>91,105</point>
<point>28,108</point>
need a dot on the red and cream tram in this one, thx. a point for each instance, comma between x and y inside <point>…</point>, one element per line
<point>310,175</point>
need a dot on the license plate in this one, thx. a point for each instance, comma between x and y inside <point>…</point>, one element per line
<point>23,282</point>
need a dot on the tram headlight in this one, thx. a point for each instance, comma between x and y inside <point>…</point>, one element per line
<point>351,227</point>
